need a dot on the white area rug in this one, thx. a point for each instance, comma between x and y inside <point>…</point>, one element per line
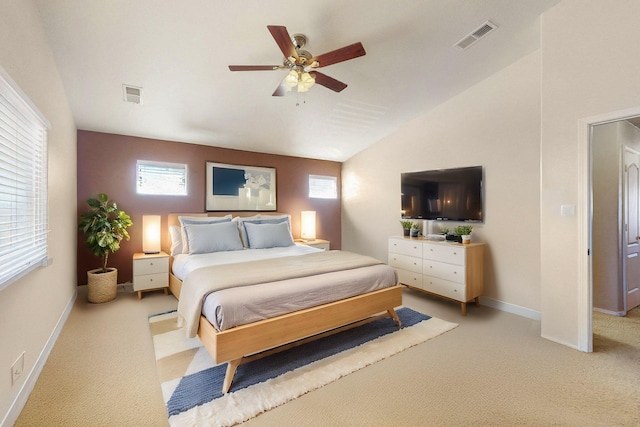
<point>191,382</point>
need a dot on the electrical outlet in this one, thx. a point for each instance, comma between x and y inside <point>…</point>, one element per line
<point>17,368</point>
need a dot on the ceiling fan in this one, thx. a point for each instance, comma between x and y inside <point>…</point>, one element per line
<point>301,64</point>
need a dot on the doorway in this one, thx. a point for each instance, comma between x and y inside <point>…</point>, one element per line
<point>613,226</point>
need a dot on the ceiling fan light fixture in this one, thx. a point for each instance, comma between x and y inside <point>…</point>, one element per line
<point>307,80</point>
<point>292,79</point>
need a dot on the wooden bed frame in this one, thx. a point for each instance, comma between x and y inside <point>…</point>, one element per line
<point>245,343</point>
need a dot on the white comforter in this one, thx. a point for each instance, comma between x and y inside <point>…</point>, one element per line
<point>267,291</point>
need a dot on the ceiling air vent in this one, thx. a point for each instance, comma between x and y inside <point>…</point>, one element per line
<point>476,35</point>
<point>132,94</point>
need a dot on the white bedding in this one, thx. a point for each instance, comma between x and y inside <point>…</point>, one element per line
<point>183,264</point>
<point>237,306</point>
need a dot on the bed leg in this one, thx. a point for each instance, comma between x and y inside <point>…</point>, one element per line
<point>394,316</point>
<point>232,365</point>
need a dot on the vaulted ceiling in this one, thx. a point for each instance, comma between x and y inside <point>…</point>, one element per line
<point>178,52</point>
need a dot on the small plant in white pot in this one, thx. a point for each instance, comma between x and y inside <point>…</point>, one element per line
<point>104,226</point>
<point>415,229</point>
<point>464,231</point>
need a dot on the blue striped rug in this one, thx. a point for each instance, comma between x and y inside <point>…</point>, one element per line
<point>192,383</point>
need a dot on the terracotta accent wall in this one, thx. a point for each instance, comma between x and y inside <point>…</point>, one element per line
<point>107,164</point>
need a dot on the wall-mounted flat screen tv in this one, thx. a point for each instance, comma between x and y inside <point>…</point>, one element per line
<point>443,194</point>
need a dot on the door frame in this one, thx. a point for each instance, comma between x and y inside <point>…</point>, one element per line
<point>585,200</point>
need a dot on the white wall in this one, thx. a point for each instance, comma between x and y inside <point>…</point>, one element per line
<point>31,309</point>
<point>590,68</point>
<point>495,124</point>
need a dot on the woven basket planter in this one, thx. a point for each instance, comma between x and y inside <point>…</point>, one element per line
<point>102,287</point>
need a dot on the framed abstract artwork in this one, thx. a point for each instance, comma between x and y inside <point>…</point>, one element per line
<point>240,188</point>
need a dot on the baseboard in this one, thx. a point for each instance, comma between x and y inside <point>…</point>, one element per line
<point>611,312</point>
<point>30,382</point>
<point>510,308</point>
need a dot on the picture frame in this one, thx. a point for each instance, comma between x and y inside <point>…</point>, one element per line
<point>240,188</point>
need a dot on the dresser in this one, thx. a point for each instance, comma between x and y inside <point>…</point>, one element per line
<point>449,270</point>
<point>150,272</point>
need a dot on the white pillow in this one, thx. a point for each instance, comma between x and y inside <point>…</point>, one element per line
<point>267,235</point>
<point>198,220</point>
<point>205,238</point>
<point>175,231</point>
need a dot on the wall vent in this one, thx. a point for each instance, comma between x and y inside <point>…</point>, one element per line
<point>132,94</point>
<point>476,35</point>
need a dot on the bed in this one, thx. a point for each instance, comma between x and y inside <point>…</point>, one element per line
<point>254,293</point>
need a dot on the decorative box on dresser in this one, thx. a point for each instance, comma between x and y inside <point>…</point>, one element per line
<point>450,270</point>
<point>150,272</point>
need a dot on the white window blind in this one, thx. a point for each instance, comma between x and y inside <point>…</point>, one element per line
<point>23,184</point>
<point>323,187</point>
<point>163,178</point>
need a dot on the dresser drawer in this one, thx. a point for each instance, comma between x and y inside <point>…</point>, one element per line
<point>410,278</point>
<point>454,273</point>
<point>405,262</point>
<point>150,266</point>
<point>445,288</point>
<point>150,281</point>
<point>405,247</point>
<point>443,253</point>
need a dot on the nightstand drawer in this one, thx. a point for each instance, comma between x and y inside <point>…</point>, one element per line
<point>150,281</point>
<point>150,266</point>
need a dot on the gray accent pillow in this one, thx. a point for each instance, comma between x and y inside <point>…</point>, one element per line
<point>198,220</point>
<point>268,235</point>
<point>216,237</point>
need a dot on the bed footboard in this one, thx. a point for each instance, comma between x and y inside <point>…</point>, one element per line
<point>234,344</point>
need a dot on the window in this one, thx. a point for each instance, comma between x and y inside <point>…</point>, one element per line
<point>23,184</point>
<point>162,178</point>
<point>323,187</point>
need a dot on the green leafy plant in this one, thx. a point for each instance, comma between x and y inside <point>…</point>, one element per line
<point>104,226</point>
<point>444,230</point>
<point>463,230</point>
<point>415,226</point>
<point>406,224</point>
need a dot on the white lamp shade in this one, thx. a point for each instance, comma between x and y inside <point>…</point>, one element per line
<point>150,234</point>
<point>308,225</point>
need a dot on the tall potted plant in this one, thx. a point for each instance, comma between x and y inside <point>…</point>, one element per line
<point>104,226</point>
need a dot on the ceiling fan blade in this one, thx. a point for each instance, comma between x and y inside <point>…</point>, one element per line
<point>329,82</point>
<point>343,54</point>
<point>254,67</point>
<point>282,38</point>
<point>281,91</point>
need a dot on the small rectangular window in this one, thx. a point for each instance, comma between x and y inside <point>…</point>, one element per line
<point>161,178</point>
<point>323,187</point>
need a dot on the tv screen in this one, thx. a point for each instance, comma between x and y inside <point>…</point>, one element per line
<point>443,194</point>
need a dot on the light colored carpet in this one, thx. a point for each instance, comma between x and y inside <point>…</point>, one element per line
<point>493,369</point>
<point>191,382</point>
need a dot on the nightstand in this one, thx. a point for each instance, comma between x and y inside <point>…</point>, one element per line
<point>317,243</point>
<point>150,272</point>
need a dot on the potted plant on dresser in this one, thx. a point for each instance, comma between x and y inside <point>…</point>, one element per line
<point>464,231</point>
<point>104,226</point>
<point>406,226</point>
